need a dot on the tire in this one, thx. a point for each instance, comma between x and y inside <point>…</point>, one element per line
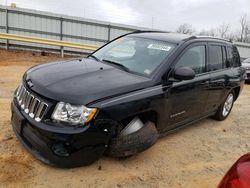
<point>220,115</point>
<point>125,146</point>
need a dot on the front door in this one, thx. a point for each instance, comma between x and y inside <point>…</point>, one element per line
<point>186,100</point>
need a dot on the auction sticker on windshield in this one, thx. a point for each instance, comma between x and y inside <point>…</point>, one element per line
<point>159,47</point>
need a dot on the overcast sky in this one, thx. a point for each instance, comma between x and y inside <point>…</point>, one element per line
<point>161,14</point>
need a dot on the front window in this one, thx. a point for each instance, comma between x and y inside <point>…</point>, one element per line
<point>135,54</point>
<point>194,58</point>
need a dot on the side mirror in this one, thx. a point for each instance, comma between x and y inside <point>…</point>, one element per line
<point>184,73</point>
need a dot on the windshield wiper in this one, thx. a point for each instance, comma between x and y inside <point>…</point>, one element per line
<point>94,57</point>
<point>117,64</point>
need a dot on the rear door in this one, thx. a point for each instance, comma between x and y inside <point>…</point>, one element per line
<point>220,75</point>
<point>234,61</point>
<point>237,69</point>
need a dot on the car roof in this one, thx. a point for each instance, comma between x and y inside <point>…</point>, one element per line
<point>173,37</point>
<point>163,36</point>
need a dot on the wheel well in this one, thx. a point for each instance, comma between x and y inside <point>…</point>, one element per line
<point>149,116</point>
<point>144,116</point>
<point>237,92</point>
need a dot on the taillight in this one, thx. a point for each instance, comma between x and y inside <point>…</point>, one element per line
<point>239,174</point>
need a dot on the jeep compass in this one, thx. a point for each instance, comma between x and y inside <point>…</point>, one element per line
<point>121,98</point>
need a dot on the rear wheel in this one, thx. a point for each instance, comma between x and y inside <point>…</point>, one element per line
<point>225,108</point>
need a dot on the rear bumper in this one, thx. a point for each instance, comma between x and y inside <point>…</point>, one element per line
<point>60,149</point>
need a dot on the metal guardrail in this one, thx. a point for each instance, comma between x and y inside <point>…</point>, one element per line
<point>242,44</point>
<point>27,22</point>
<point>48,42</point>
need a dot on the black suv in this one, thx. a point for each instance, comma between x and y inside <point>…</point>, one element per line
<point>122,97</point>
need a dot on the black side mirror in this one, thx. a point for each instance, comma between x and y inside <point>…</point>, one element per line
<point>184,73</point>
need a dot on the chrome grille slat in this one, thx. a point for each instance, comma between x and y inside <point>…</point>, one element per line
<point>21,95</point>
<point>39,111</point>
<point>31,104</point>
<point>24,98</point>
<point>36,106</point>
<point>33,107</point>
<point>27,103</point>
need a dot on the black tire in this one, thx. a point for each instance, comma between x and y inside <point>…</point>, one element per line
<point>219,114</point>
<point>124,146</point>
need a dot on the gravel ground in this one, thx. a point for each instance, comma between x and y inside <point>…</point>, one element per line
<point>196,156</point>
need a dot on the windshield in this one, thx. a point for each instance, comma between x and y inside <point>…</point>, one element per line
<point>135,54</point>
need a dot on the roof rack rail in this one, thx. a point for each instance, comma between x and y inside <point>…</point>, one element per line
<point>217,38</point>
<point>190,38</point>
<point>149,31</point>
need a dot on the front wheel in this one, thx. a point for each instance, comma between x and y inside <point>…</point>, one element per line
<point>142,139</point>
<point>225,108</point>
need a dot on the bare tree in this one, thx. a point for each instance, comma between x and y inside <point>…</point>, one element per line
<point>223,30</point>
<point>244,28</point>
<point>247,33</point>
<point>185,29</point>
<point>232,36</point>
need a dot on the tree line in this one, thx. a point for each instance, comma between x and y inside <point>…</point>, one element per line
<point>223,31</point>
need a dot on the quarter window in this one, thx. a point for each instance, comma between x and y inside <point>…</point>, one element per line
<point>194,58</point>
<point>215,58</point>
<point>225,61</point>
<point>234,57</point>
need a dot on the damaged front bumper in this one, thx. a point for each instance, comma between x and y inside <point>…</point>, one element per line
<point>58,146</point>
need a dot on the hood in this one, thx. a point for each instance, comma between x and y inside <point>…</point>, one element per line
<point>82,82</point>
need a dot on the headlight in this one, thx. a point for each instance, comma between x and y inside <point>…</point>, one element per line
<point>74,114</point>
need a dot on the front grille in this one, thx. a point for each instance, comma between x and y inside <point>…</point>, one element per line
<point>31,105</point>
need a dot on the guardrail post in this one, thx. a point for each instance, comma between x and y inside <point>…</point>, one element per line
<point>7,27</point>
<point>109,32</point>
<point>61,35</point>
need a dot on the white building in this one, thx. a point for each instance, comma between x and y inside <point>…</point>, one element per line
<point>244,49</point>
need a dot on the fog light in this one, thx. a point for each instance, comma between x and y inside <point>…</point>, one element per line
<point>60,150</point>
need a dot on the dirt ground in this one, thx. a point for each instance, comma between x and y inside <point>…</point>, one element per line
<point>196,156</point>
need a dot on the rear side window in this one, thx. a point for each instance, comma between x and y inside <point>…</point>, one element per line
<point>234,57</point>
<point>216,57</point>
